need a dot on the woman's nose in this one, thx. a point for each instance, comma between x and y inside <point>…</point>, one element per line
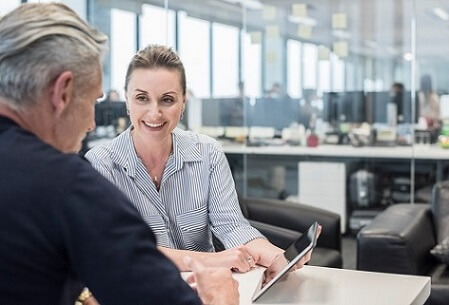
<point>154,111</point>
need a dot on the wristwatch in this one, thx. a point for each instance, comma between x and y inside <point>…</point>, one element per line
<point>85,294</point>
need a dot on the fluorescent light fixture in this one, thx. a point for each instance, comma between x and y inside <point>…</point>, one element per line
<point>370,43</point>
<point>440,13</point>
<point>303,20</point>
<point>392,50</point>
<point>250,4</point>
<point>408,56</point>
<point>341,34</point>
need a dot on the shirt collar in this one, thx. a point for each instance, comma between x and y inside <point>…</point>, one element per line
<point>185,149</point>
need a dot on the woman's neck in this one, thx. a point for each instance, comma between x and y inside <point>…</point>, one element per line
<point>152,151</point>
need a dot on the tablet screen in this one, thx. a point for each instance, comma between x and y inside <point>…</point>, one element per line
<point>283,263</point>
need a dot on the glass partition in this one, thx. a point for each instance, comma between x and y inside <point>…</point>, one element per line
<point>285,83</point>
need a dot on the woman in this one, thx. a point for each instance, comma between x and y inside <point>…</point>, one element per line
<point>179,180</point>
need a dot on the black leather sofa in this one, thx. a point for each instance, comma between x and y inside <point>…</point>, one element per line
<point>282,223</point>
<point>399,240</point>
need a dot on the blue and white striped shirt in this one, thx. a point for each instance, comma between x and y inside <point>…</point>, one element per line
<point>197,194</point>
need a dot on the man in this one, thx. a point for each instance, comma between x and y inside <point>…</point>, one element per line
<point>62,225</point>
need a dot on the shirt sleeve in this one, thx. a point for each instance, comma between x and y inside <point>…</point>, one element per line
<point>113,251</point>
<point>228,223</point>
<point>100,159</point>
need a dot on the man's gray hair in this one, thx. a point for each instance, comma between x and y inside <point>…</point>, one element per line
<point>40,41</point>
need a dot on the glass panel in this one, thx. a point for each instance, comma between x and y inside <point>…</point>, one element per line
<point>294,85</point>
<point>123,46</point>
<point>252,65</point>
<point>7,6</point>
<point>225,60</point>
<point>157,26</point>
<point>194,49</point>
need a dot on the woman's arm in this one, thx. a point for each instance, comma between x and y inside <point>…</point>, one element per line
<point>238,259</point>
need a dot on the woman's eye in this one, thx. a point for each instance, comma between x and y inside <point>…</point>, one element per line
<point>168,100</point>
<point>141,98</point>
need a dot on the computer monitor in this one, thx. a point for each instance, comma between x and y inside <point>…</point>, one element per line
<point>341,107</point>
<point>376,103</point>
<point>222,111</point>
<point>108,113</point>
<point>330,107</point>
<point>278,113</point>
<point>353,107</point>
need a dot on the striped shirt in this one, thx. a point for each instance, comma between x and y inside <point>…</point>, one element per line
<point>197,194</point>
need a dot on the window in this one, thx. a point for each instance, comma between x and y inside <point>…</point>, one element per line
<point>294,86</point>
<point>225,60</point>
<point>194,45</point>
<point>324,84</point>
<point>123,46</point>
<point>252,66</point>
<point>310,65</point>
<point>7,6</point>
<point>338,73</point>
<point>157,26</point>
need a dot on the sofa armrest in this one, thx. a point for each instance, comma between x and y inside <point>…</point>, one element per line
<point>398,240</point>
<point>296,217</point>
<point>278,236</point>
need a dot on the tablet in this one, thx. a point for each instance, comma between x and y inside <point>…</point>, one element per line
<point>283,263</point>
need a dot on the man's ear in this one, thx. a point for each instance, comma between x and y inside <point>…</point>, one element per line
<point>62,92</point>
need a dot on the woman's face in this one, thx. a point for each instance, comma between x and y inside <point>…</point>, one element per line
<point>155,101</point>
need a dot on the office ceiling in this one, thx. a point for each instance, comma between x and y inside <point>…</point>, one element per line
<point>381,28</point>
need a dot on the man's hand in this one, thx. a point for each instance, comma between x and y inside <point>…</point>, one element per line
<point>215,286</point>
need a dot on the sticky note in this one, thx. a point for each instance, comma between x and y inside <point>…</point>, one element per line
<point>269,12</point>
<point>299,10</point>
<point>339,21</point>
<point>272,31</point>
<point>304,31</point>
<point>256,37</point>
<point>341,48</point>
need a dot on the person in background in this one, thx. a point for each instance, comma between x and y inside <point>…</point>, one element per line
<point>397,92</point>
<point>113,96</point>
<point>429,103</point>
<point>179,180</point>
<point>63,225</point>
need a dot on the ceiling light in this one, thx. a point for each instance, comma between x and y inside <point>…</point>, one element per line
<point>341,34</point>
<point>250,4</point>
<point>303,20</point>
<point>408,56</point>
<point>440,13</point>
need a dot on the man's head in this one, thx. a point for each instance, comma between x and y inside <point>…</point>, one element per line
<point>50,67</point>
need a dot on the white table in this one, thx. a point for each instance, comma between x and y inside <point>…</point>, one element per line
<point>420,152</point>
<point>319,285</point>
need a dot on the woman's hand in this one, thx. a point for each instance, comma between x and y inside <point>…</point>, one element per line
<point>238,259</point>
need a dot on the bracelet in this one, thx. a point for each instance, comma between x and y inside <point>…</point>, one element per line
<point>84,295</point>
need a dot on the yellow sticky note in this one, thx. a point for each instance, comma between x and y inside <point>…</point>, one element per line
<point>256,37</point>
<point>341,48</point>
<point>304,31</point>
<point>299,10</point>
<point>339,21</point>
<point>272,31</point>
<point>269,12</point>
<point>271,57</point>
<point>323,53</point>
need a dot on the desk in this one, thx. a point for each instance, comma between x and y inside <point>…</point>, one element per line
<point>420,152</point>
<point>319,285</point>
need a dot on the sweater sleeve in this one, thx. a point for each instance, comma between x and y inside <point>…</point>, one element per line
<point>113,251</point>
